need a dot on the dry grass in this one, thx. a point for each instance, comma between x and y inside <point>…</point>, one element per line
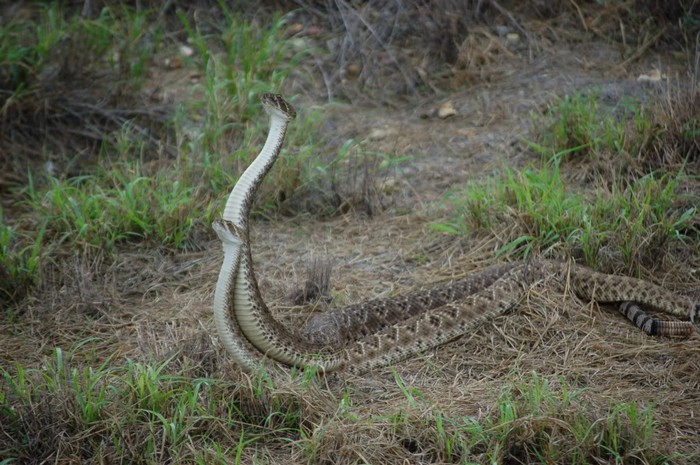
<point>581,352</point>
<point>60,108</point>
<point>315,287</point>
<point>673,141</point>
<point>554,381</point>
<point>375,49</point>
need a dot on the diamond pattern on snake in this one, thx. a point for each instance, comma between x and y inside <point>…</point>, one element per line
<point>363,336</point>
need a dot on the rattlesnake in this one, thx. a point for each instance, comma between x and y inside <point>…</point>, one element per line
<point>378,332</point>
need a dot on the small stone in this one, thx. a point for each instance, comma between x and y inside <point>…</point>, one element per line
<point>513,38</point>
<point>654,76</point>
<point>353,69</point>
<point>446,110</point>
<point>186,50</point>
<point>381,133</point>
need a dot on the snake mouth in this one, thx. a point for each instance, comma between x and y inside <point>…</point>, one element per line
<point>226,231</point>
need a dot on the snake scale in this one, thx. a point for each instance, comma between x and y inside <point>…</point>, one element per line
<point>378,332</point>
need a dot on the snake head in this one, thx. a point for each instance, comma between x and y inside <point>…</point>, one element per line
<point>227,232</point>
<point>275,103</point>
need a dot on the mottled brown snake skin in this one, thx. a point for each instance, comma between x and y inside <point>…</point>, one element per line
<point>378,332</point>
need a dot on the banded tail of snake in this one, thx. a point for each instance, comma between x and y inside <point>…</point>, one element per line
<point>378,332</point>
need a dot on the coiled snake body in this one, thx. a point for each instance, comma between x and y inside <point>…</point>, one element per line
<point>378,332</point>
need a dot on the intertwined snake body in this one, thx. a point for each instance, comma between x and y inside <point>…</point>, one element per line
<point>378,332</point>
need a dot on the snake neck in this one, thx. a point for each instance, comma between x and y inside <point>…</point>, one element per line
<point>232,338</point>
<point>232,229</point>
<point>240,201</point>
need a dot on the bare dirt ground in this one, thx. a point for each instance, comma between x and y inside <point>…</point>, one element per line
<point>152,303</point>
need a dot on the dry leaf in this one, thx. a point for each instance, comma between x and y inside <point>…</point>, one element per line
<point>654,76</point>
<point>446,110</point>
<point>381,133</point>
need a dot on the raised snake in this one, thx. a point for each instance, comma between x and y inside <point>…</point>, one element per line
<point>378,332</point>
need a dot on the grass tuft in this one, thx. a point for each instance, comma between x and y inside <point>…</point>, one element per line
<point>534,211</point>
<point>140,412</point>
<point>640,162</point>
<point>626,140</point>
<point>20,264</point>
<point>537,420</point>
<point>97,213</point>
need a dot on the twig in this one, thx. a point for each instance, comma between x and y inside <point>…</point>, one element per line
<point>409,81</point>
<point>640,51</point>
<point>326,79</point>
<point>580,15</point>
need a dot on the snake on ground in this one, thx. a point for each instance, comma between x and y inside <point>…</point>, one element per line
<point>379,332</point>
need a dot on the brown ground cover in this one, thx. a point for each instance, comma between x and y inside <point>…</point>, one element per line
<point>153,305</point>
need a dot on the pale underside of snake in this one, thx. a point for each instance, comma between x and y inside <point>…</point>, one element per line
<point>379,332</point>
